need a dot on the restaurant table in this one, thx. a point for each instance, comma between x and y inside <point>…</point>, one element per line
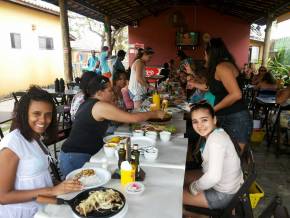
<point>5,117</point>
<point>270,104</point>
<point>171,154</point>
<point>162,196</point>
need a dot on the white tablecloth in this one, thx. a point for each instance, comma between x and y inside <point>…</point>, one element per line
<point>162,196</point>
<point>171,154</point>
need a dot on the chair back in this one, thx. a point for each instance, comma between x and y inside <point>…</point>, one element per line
<point>240,201</point>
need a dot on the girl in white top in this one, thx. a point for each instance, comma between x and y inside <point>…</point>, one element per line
<point>221,175</point>
<point>24,160</point>
<point>137,83</point>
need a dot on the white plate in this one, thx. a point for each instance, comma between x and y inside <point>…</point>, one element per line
<point>135,188</point>
<point>143,142</point>
<point>101,177</point>
<point>173,109</point>
<point>107,138</point>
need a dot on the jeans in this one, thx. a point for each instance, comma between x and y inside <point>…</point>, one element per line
<point>238,125</point>
<point>71,161</point>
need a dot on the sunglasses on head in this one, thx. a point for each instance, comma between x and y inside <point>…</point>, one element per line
<point>201,102</point>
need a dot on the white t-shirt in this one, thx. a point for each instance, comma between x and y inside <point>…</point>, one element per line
<point>32,173</point>
<point>221,164</point>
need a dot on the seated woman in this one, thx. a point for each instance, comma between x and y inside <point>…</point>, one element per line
<point>78,99</point>
<point>24,164</point>
<point>119,82</point>
<point>91,123</point>
<point>221,175</point>
<point>267,82</point>
<point>257,77</point>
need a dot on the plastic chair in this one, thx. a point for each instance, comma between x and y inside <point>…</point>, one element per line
<point>240,205</point>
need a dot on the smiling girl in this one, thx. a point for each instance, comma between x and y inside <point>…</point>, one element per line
<point>221,175</point>
<point>24,163</point>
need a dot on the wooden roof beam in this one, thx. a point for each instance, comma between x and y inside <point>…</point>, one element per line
<point>96,11</point>
<point>285,4</point>
<point>147,8</point>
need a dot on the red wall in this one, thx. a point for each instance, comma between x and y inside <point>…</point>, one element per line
<point>158,33</point>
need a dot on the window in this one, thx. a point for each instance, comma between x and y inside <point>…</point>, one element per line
<point>45,43</point>
<point>15,40</point>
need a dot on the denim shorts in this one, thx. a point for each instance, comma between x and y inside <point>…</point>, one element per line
<point>71,161</point>
<point>238,125</point>
<point>217,200</point>
<point>137,97</point>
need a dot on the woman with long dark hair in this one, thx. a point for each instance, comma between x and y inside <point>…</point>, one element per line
<point>231,111</point>
<point>91,123</point>
<point>24,159</point>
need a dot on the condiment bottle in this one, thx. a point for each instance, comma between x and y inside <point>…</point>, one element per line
<point>156,100</point>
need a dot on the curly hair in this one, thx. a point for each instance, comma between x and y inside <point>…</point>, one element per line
<point>20,120</point>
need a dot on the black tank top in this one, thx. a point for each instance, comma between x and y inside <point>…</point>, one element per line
<point>87,134</point>
<point>219,91</point>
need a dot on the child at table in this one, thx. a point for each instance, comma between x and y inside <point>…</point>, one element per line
<point>24,160</point>
<point>221,175</point>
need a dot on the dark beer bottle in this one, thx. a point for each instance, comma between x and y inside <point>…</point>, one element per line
<point>134,165</point>
<point>121,154</point>
<point>136,154</point>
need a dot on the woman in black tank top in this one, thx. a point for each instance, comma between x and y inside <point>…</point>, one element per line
<point>91,123</point>
<point>224,83</point>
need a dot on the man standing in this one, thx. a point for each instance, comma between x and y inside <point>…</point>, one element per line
<point>118,65</point>
<point>94,63</point>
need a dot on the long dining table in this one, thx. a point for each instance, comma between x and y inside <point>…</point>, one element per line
<point>163,181</point>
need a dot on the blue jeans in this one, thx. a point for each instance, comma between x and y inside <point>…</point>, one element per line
<point>239,125</point>
<point>71,161</point>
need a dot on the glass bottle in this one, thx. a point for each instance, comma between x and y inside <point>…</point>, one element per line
<point>136,154</point>
<point>121,154</point>
<point>134,166</point>
<point>156,100</point>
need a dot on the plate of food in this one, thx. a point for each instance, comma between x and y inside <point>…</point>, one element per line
<point>98,202</point>
<point>90,177</point>
<point>155,127</point>
<point>115,138</point>
<point>173,109</point>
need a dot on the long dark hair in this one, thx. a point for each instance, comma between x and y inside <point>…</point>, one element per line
<point>217,52</point>
<point>20,120</point>
<point>85,79</point>
<point>96,84</point>
<point>269,78</point>
<point>117,76</point>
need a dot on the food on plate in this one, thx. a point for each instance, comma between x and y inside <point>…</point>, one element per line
<point>100,200</point>
<point>156,127</point>
<point>110,145</point>
<point>84,173</point>
<point>115,139</point>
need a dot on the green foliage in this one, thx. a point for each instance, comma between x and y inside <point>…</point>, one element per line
<point>279,70</point>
